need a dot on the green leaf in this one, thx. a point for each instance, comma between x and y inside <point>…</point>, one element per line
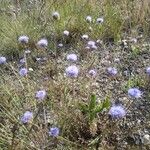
<point>98,108</point>
<point>106,103</point>
<point>92,102</point>
<point>83,107</point>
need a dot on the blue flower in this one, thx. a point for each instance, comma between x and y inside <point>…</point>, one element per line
<point>92,73</point>
<point>112,71</point>
<point>27,116</point>
<point>23,72</point>
<point>2,60</point>
<point>54,132</point>
<point>92,45</point>
<point>72,71</point>
<point>72,57</point>
<point>40,95</point>
<point>22,61</point>
<point>117,112</point>
<point>148,70</point>
<point>23,39</point>
<point>134,93</point>
<point>42,43</point>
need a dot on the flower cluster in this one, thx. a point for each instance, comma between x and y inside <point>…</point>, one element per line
<point>2,60</point>
<point>148,70</point>
<point>42,43</point>
<point>112,71</point>
<point>54,132</point>
<point>23,72</point>
<point>134,93</point>
<point>72,57</point>
<point>92,73</point>
<point>27,116</point>
<point>117,112</point>
<point>72,71</point>
<point>23,39</point>
<point>40,95</point>
<point>92,45</point>
<point>22,61</point>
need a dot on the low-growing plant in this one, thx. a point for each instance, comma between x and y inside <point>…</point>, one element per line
<point>93,108</point>
<point>59,62</point>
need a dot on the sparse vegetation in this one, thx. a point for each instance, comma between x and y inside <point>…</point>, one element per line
<point>74,74</point>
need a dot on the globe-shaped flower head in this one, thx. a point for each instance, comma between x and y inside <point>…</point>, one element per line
<point>23,39</point>
<point>40,95</point>
<point>2,60</point>
<point>134,93</point>
<point>117,112</point>
<point>56,15</point>
<point>72,71</point>
<point>92,45</point>
<point>72,57</point>
<point>27,116</point>
<point>42,43</point>
<point>92,73</point>
<point>54,132</point>
<point>148,70</point>
<point>89,19</point>
<point>23,72</point>
<point>22,61</point>
<point>112,71</point>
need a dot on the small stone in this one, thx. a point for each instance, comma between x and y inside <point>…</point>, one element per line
<point>66,33</point>
<point>138,122</point>
<point>90,29</point>
<point>133,40</point>
<point>89,19</point>
<point>27,51</point>
<point>60,45</point>
<point>30,69</point>
<point>116,60</point>
<point>146,139</point>
<point>85,37</point>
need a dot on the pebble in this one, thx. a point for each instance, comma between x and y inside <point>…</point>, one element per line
<point>146,139</point>
<point>30,69</point>
<point>116,60</point>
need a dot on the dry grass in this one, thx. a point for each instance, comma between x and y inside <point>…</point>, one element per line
<point>63,106</point>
